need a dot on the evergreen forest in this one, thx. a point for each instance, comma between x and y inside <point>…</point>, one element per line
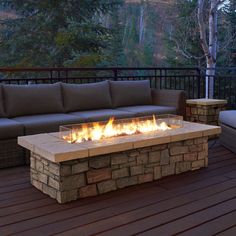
<point>102,33</point>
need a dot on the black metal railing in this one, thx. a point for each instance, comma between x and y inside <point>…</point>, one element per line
<point>163,78</point>
<point>192,80</point>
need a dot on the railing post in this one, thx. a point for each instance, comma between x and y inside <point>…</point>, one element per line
<point>66,74</point>
<point>198,83</point>
<point>155,82</point>
<point>115,73</point>
<point>160,78</point>
<point>51,74</point>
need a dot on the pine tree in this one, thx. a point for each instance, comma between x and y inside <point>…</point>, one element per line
<point>139,39</point>
<point>114,54</point>
<point>54,33</point>
<point>230,45</point>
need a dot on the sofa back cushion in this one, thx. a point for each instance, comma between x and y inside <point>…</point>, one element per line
<point>80,97</point>
<point>130,93</point>
<point>2,114</point>
<point>24,100</point>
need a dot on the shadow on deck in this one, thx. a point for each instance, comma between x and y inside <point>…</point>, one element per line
<point>202,202</point>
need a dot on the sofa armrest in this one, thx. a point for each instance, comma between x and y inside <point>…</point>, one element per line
<point>173,98</point>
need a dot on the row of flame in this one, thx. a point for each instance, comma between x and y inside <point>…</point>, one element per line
<point>100,131</point>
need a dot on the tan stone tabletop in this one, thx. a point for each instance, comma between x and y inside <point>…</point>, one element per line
<point>206,101</point>
<point>53,148</point>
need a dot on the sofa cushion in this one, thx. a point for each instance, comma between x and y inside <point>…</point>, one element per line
<point>147,110</point>
<point>81,97</point>
<point>130,93</point>
<point>228,118</point>
<point>2,114</point>
<point>10,129</point>
<point>46,123</point>
<point>22,100</point>
<point>103,114</point>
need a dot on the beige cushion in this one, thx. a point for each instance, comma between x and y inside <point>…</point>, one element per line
<point>81,97</point>
<point>130,93</point>
<point>24,100</point>
<point>2,114</point>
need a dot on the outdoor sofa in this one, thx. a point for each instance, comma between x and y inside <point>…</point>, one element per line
<point>33,109</point>
<point>228,125</point>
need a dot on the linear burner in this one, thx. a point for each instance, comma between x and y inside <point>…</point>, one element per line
<point>79,133</point>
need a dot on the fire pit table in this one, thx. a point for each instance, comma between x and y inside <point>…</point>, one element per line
<point>67,167</point>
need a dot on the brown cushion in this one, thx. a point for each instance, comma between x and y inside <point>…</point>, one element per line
<point>24,100</point>
<point>2,114</point>
<point>130,93</point>
<point>80,97</point>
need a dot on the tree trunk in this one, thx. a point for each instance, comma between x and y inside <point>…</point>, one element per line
<point>141,23</point>
<point>213,39</point>
<point>210,75</point>
<point>210,48</point>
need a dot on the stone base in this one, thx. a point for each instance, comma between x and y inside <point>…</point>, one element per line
<point>71,180</point>
<point>204,111</point>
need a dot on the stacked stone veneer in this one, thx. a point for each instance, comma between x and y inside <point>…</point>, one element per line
<point>70,180</point>
<point>204,113</point>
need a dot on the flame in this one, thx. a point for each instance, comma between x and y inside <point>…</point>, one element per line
<point>98,131</point>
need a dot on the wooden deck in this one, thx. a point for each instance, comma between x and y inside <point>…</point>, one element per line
<point>202,202</point>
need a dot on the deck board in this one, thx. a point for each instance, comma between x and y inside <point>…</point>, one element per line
<point>228,232</point>
<point>193,203</point>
